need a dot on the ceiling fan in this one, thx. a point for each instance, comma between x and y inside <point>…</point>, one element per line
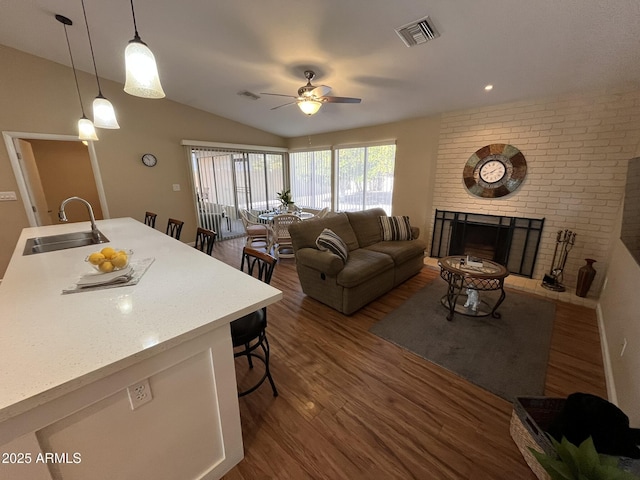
<point>311,97</point>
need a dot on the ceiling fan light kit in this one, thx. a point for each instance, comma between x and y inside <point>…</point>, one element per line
<point>311,97</point>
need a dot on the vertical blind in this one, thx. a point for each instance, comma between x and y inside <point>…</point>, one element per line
<point>226,180</point>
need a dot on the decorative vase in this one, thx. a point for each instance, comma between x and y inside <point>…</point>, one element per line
<point>586,274</point>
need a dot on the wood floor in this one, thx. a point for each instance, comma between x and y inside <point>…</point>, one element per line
<point>354,406</point>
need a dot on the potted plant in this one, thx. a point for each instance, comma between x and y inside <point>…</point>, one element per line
<point>285,199</point>
<point>580,463</point>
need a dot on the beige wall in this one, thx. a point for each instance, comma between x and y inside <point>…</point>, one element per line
<point>38,96</point>
<point>618,313</point>
<point>65,171</point>
<point>416,153</point>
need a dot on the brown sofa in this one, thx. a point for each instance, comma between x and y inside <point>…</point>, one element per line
<point>373,266</point>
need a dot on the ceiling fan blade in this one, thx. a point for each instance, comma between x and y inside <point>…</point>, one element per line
<point>284,104</point>
<point>279,95</point>
<point>320,91</point>
<point>341,100</point>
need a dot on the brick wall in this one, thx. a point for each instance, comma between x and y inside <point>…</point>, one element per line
<point>577,148</point>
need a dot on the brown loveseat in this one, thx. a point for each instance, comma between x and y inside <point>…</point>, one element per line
<point>373,266</point>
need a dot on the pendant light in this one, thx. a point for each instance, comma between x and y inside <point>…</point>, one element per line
<point>142,74</point>
<point>86,131</point>
<point>104,116</point>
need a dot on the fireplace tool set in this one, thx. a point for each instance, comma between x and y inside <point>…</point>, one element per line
<point>564,242</point>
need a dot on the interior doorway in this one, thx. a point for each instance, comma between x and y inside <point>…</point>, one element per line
<point>50,168</point>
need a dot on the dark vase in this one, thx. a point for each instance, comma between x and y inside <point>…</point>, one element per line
<point>586,274</point>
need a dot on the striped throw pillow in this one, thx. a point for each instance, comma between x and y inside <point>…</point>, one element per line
<point>395,228</point>
<point>328,240</point>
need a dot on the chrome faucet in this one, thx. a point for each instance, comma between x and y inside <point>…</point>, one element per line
<point>94,229</point>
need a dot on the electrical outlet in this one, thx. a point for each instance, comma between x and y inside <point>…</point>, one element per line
<point>7,196</point>
<point>176,187</point>
<point>139,394</point>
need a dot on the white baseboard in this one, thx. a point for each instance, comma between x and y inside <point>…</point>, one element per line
<point>606,358</point>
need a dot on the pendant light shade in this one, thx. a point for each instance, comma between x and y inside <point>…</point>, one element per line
<point>310,107</point>
<point>104,116</point>
<point>142,73</point>
<point>86,130</point>
<point>142,78</point>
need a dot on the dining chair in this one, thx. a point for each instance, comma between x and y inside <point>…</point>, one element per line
<point>248,333</point>
<point>205,240</point>
<point>150,219</point>
<point>282,244</point>
<point>258,234</point>
<point>174,228</point>
<point>323,213</point>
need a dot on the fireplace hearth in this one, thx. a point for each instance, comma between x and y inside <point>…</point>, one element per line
<point>510,241</point>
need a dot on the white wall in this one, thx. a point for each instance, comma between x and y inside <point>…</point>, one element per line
<point>577,147</point>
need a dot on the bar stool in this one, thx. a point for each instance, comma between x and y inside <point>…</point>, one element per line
<point>205,240</point>
<point>249,332</point>
<point>150,219</point>
<point>174,228</point>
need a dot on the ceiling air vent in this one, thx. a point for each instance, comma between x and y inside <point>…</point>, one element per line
<point>248,94</point>
<point>417,32</point>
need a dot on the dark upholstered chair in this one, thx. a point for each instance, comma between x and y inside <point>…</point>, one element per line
<point>150,219</point>
<point>249,332</point>
<point>205,240</point>
<point>174,228</point>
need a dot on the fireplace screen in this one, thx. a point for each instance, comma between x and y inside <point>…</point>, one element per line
<point>510,241</point>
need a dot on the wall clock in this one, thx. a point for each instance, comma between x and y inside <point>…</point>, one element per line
<point>494,171</point>
<point>149,159</point>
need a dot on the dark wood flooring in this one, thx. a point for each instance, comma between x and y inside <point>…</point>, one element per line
<point>354,406</point>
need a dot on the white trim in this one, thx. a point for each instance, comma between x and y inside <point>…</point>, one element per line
<point>232,146</point>
<point>606,358</point>
<point>364,144</point>
<point>17,171</point>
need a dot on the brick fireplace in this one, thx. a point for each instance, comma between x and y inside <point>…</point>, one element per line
<point>510,241</point>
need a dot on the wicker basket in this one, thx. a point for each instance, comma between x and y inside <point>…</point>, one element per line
<point>530,418</point>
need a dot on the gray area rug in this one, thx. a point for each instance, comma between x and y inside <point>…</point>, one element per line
<point>507,356</point>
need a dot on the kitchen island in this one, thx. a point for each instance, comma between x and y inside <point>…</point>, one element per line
<point>136,381</point>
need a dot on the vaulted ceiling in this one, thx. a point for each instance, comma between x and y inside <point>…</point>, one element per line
<point>209,51</point>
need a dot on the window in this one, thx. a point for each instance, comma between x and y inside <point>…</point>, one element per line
<point>226,180</point>
<point>363,177</point>
<point>310,174</point>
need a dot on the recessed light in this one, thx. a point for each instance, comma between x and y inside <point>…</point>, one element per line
<point>488,88</point>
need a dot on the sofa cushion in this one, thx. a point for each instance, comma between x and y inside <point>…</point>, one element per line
<point>304,234</point>
<point>395,228</point>
<point>363,265</point>
<point>328,240</point>
<point>367,226</point>
<point>400,251</point>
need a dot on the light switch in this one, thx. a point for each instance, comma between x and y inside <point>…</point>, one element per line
<point>176,187</point>
<point>8,196</point>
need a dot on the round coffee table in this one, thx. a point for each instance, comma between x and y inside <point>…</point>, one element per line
<point>461,276</point>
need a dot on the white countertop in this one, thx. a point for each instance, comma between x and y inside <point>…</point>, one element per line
<point>51,343</point>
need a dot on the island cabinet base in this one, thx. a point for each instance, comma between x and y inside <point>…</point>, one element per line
<point>189,430</point>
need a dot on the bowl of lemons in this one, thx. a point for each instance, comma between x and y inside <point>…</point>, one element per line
<point>109,259</point>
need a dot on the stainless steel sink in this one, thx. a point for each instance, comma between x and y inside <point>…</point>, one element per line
<point>53,243</point>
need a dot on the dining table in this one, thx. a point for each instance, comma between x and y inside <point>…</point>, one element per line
<point>268,216</point>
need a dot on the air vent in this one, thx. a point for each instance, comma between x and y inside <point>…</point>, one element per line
<point>417,32</point>
<point>248,94</point>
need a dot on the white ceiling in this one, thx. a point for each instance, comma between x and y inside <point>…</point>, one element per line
<point>208,51</point>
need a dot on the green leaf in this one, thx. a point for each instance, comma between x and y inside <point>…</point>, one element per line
<point>588,457</point>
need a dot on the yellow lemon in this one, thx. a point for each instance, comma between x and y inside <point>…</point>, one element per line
<point>120,260</point>
<point>96,258</point>
<point>108,252</point>
<point>106,267</point>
